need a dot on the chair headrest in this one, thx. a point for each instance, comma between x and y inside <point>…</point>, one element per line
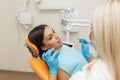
<point>32,48</point>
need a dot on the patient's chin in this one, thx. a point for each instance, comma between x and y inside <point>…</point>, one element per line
<point>58,46</point>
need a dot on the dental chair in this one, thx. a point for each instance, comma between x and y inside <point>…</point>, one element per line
<point>37,64</point>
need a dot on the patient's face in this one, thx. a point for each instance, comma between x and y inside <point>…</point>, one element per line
<point>51,39</point>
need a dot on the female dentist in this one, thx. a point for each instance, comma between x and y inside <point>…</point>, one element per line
<point>106,66</point>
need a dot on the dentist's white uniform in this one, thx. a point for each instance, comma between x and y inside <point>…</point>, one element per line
<point>98,71</point>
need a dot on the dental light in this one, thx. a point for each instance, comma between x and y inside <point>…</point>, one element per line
<point>70,19</point>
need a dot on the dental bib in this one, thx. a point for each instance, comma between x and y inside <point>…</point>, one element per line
<point>71,60</point>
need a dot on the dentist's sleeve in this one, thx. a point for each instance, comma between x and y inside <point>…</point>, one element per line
<point>78,76</point>
<point>96,70</point>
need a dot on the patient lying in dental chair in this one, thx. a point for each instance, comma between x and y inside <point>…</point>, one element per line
<point>70,61</point>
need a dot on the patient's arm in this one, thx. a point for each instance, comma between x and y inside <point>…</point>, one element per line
<point>53,77</point>
<point>62,75</point>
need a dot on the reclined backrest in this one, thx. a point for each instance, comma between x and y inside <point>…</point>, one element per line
<point>32,48</point>
<point>37,64</point>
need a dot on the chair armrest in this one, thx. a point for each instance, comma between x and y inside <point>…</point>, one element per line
<point>40,68</point>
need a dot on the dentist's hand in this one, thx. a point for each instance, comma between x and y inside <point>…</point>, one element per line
<point>85,48</point>
<point>51,60</point>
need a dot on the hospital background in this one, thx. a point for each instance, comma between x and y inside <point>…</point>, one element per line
<point>13,54</point>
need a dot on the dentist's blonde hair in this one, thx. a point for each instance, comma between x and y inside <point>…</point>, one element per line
<point>106,22</point>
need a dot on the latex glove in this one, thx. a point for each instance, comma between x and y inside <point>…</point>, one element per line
<point>51,60</point>
<point>85,48</point>
<point>92,43</point>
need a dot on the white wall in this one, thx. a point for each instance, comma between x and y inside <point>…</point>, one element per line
<point>13,54</point>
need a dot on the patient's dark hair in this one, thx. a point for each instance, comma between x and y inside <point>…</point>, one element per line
<point>36,37</point>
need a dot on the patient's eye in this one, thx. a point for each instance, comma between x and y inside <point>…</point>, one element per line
<point>50,36</point>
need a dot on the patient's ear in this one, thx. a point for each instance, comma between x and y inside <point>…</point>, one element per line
<point>44,48</point>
